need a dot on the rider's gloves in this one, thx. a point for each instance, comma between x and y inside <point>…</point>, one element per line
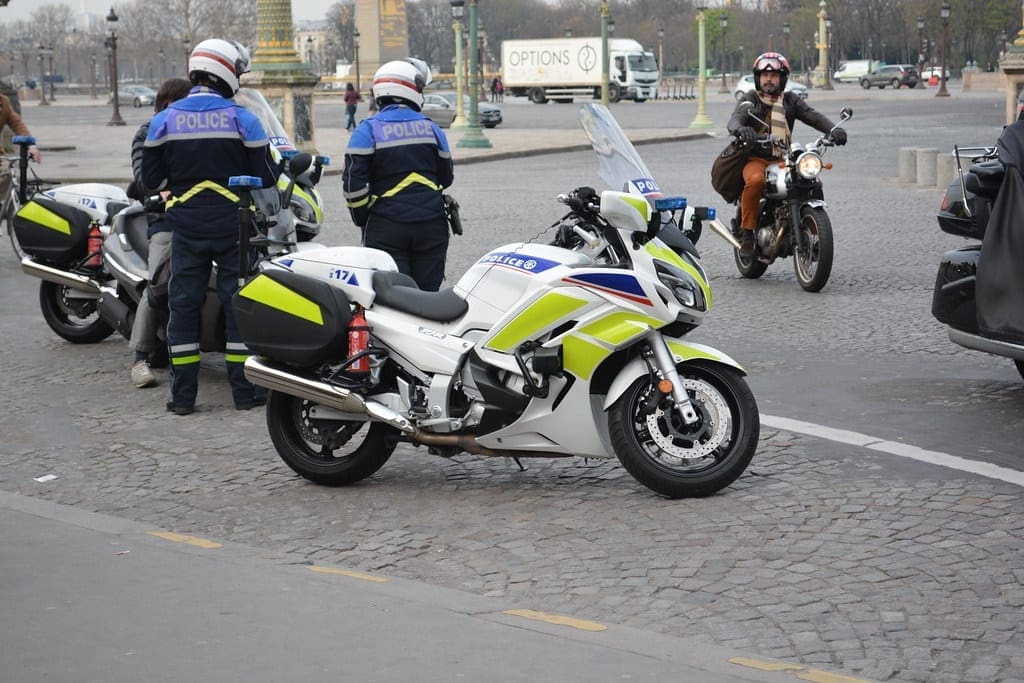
<point>839,136</point>
<point>746,135</point>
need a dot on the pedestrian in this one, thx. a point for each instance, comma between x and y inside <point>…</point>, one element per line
<point>352,97</point>
<point>144,340</point>
<point>494,89</point>
<point>10,118</point>
<point>194,146</point>
<point>500,88</point>
<point>397,164</point>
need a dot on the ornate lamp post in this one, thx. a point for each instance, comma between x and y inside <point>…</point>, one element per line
<point>701,120</point>
<point>723,21</point>
<point>458,7</point>
<point>871,48</point>
<point>163,65</point>
<point>785,39</point>
<point>474,136</point>
<point>944,13</point>
<point>828,52</point>
<point>355,45</point>
<point>42,76</point>
<point>605,12</point>
<point>49,61</point>
<point>920,52</point>
<point>92,76</point>
<point>186,43</point>
<point>309,51</point>
<point>807,67</point>
<point>481,42</point>
<point>116,119</point>
<point>661,43</point>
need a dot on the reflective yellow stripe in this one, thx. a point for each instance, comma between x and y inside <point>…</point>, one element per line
<point>409,180</point>
<point>39,214</point>
<point>618,328</point>
<point>361,202</point>
<point>185,360</point>
<point>199,187</point>
<point>541,313</point>
<point>263,290</point>
<point>236,357</point>
<point>581,357</point>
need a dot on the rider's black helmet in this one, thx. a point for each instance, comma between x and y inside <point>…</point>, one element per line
<point>771,61</point>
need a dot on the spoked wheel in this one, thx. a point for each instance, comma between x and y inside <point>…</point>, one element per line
<point>813,263</point>
<point>328,452</point>
<point>73,318</point>
<point>679,460</point>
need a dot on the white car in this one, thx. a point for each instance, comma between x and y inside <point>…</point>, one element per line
<point>746,84</point>
<point>929,72</point>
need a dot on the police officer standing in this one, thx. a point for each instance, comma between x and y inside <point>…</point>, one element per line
<point>193,148</point>
<point>396,165</point>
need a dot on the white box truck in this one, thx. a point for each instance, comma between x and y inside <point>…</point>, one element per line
<point>563,68</point>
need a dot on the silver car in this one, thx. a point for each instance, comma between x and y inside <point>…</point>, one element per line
<point>490,115</point>
<point>438,109</point>
<point>746,84</point>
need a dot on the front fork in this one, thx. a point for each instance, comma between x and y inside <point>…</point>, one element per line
<point>666,367</point>
<point>794,222</point>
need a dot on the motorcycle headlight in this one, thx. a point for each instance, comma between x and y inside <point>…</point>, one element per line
<point>808,165</point>
<point>682,285</point>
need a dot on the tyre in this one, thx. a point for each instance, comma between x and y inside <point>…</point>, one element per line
<point>813,263</point>
<point>866,84</point>
<point>538,96</point>
<point>640,100</point>
<point>895,83</point>
<point>137,103</point>
<point>10,208</point>
<point>614,92</point>
<point>331,453</point>
<point>749,266</point>
<point>687,461</point>
<point>1020,367</point>
<point>72,318</point>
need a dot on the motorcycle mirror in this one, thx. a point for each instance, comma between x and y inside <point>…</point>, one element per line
<point>299,164</point>
<point>846,113</point>
<point>747,107</point>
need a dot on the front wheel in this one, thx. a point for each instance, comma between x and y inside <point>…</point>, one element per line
<point>686,461</point>
<point>813,263</point>
<point>327,452</point>
<point>895,84</point>
<point>1020,367</point>
<point>866,84</point>
<point>614,92</point>
<point>74,319</point>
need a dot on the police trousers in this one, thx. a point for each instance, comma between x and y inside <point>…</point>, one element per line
<point>419,249</point>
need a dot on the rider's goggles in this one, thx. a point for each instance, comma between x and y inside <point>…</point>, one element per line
<point>768,64</point>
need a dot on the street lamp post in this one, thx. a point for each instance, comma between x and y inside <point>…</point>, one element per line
<point>49,61</point>
<point>42,76</point>
<point>920,52</point>
<point>785,39</point>
<point>807,67</point>
<point>701,120</point>
<point>723,21</point>
<point>186,43</point>
<point>92,76</point>
<point>458,8</point>
<point>871,49</point>
<point>474,135</point>
<point>661,56</point>
<point>828,51</point>
<point>944,13</point>
<point>163,65</point>
<point>116,119</point>
<point>481,42</point>
<point>604,52</point>
<point>309,51</point>
<point>355,45</point>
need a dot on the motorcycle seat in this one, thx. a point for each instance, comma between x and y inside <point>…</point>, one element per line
<point>984,179</point>
<point>135,233</point>
<point>399,291</point>
<point>114,207</point>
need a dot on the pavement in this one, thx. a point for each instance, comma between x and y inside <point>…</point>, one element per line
<point>77,150</point>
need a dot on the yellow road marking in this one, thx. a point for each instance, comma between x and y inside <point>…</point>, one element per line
<point>182,538</point>
<point>765,666</point>
<point>557,619</point>
<point>349,573</point>
<point>826,677</point>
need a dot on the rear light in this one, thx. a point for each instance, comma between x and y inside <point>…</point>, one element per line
<point>944,206</point>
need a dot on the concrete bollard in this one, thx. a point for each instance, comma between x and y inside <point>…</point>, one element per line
<point>926,167</point>
<point>908,165</point>
<point>945,169</point>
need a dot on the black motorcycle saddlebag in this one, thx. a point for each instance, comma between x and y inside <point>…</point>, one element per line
<point>52,231</point>
<point>293,318</point>
<point>953,301</point>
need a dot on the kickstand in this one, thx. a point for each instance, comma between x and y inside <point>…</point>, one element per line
<point>521,468</point>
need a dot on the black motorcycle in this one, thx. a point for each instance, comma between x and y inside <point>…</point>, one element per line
<point>792,220</point>
<point>967,210</point>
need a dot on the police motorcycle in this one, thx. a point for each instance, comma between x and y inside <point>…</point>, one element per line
<point>576,348</point>
<point>977,287</point>
<point>792,219</point>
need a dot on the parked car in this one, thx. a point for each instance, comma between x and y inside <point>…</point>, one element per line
<point>490,114</point>
<point>852,70</point>
<point>931,71</point>
<point>746,84</point>
<point>136,95</point>
<point>895,75</point>
<point>438,109</point>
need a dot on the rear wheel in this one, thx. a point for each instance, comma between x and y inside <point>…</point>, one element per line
<point>749,266</point>
<point>813,263</point>
<point>74,319</point>
<point>679,460</point>
<point>327,452</point>
<point>538,96</point>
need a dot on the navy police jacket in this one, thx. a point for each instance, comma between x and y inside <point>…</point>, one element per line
<point>396,165</point>
<point>193,148</point>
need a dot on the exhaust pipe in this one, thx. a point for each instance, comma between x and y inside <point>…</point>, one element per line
<point>114,311</point>
<point>82,283</point>
<point>262,374</point>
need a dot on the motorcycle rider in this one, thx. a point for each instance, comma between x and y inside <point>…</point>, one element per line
<point>780,109</point>
<point>396,165</point>
<point>144,339</point>
<point>193,147</point>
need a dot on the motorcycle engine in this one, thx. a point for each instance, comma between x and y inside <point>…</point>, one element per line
<point>766,240</point>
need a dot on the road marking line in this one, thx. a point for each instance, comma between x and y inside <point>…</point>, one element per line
<point>766,666</point>
<point>182,538</point>
<point>557,619</point>
<point>902,450</point>
<point>349,573</point>
<point>825,677</point>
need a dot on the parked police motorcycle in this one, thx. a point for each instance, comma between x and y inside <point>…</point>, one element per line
<point>576,348</point>
<point>977,293</point>
<point>792,220</point>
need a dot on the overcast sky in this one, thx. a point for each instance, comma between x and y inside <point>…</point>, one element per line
<point>302,10</point>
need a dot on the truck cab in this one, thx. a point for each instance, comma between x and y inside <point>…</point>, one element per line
<point>633,74</point>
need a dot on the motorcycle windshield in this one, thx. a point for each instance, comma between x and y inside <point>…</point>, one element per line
<point>254,101</point>
<point>618,162</point>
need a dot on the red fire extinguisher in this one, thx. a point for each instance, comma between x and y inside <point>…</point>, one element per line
<point>358,341</point>
<point>94,246</point>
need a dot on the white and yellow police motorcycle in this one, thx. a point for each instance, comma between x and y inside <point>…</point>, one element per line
<point>571,349</point>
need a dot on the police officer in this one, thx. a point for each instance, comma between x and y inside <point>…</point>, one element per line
<point>193,147</point>
<point>396,165</point>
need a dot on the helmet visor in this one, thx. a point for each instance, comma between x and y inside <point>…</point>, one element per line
<point>768,64</point>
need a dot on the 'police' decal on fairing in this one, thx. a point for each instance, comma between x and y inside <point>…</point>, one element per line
<point>646,186</point>
<point>520,262</point>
